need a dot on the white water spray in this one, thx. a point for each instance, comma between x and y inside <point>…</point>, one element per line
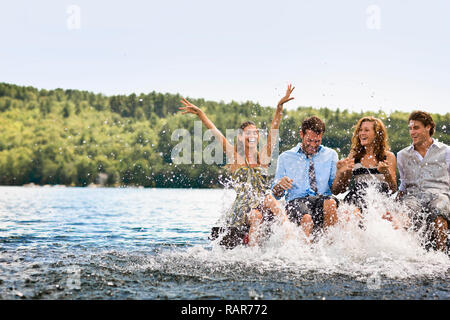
<point>367,250</point>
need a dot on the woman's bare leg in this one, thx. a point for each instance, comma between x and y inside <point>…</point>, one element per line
<point>346,215</point>
<point>397,219</point>
<point>271,203</point>
<point>255,219</point>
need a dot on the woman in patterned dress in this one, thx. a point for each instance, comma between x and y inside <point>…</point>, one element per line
<point>254,203</point>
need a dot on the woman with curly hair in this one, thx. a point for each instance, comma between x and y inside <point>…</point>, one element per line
<point>369,162</point>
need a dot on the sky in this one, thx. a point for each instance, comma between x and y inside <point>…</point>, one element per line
<point>352,54</point>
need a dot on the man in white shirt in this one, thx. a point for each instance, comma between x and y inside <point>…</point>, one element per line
<point>424,169</point>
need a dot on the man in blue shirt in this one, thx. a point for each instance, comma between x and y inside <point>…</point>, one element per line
<point>304,176</point>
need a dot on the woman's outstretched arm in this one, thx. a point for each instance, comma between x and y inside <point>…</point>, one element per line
<point>190,108</point>
<point>266,153</point>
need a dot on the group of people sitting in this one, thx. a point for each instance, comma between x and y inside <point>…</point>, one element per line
<point>309,176</point>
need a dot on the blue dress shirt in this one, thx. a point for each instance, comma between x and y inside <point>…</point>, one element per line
<point>295,165</point>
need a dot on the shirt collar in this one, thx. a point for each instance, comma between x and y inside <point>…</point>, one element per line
<point>411,147</point>
<point>300,150</point>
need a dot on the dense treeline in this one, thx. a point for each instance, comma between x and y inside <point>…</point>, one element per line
<point>74,137</point>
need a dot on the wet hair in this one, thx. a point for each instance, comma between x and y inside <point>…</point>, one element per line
<point>423,117</point>
<point>314,124</point>
<point>381,139</point>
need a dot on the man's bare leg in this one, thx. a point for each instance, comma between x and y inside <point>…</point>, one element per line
<point>307,224</point>
<point>329,212</point>
<point>440,229</point>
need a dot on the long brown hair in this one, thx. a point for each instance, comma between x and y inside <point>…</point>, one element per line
<point>381,145</point>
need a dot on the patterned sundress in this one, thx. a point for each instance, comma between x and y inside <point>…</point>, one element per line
<point>250,184</point>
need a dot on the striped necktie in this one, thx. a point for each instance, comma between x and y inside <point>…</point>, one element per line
<point>312,174</point>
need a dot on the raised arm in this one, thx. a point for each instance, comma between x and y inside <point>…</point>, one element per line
<point>266,152</point>
<point>190,108</point>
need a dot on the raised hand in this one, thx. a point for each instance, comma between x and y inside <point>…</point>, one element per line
<point>383,167</point>
<point>287,97</point>
<point>266,152</point>
<point>284,184</point>
<point>345,165</point>
<point>189,107</point>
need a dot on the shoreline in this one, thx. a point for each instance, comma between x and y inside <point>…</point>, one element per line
<point>94,186</point>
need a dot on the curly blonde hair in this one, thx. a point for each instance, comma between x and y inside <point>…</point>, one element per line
<point>381,139</point>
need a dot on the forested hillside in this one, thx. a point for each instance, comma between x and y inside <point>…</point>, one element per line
<point>74,137</point>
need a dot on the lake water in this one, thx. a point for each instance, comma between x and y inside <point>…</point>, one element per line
<point>131,243</point>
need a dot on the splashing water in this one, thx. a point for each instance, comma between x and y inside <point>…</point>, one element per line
<point>377,249</point>
<point>152,244</point>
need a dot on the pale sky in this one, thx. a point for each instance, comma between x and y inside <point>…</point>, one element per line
<point>354,54</point>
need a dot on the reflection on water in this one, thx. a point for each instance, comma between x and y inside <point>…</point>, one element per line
<point>80,243</point>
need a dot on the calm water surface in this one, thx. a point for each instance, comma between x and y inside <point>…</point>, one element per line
<point>129,243</point>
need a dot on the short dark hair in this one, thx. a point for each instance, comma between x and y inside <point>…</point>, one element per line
<point>246,124</point>
<point>423,117</point>
<point>314,124</point>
